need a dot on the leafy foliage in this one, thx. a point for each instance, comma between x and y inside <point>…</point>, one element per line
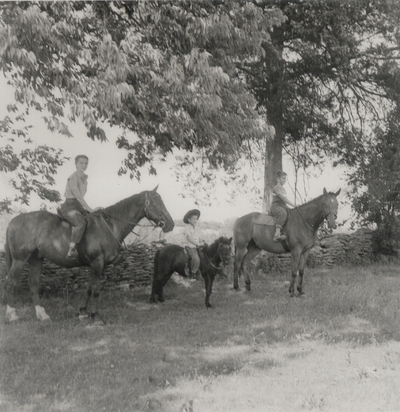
<point>164,72</point>
<point>376,185</point>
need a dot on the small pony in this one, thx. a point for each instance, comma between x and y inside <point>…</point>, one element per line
<point>174,258</point>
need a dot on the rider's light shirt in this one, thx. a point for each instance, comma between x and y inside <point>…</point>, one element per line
<point>76,186</point>
<point>276,191</point>
<point>190,231</point>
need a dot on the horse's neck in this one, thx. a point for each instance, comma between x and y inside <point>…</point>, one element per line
<point>212,255</point>
<point>124,219</point>
<point>312,213</point>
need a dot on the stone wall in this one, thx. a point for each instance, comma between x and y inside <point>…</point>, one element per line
<point>338,249</point>
<point>134,265</point>
<point>132,268</point>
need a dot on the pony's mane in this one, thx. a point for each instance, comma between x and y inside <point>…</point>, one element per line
<point>212,249</point>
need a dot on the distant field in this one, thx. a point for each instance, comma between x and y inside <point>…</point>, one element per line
<point>335,349</point>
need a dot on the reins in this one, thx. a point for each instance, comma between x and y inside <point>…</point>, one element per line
<point>304,220</point>
<point>134,224</point>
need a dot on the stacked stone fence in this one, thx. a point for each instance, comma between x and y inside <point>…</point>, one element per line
<point>134,265</point>
<point>332,250</point>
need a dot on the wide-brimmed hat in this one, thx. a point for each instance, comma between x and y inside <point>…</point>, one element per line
<point>193,212</point>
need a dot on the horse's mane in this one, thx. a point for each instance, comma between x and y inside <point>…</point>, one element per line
<point>211,250</point>
<point>122,207</point>
<point>315,200</point>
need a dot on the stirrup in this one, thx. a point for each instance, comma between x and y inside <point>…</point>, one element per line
<point>279,238</point>
<point>72,253</point>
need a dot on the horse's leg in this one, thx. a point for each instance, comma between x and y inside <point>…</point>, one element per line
<point>295,264</point>
<point>83,313</point>
<point>239,254</point>
<point>96,267</point>
<point>302,264</point>
<point>252,252</point>
<point>35,270</point>
<point>10,287</point>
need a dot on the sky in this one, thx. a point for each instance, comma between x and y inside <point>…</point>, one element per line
<point>105,187</point>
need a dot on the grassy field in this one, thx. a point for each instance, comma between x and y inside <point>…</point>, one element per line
<point>335,349</point>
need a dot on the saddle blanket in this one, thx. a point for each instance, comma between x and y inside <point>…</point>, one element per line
<point>265,219</point>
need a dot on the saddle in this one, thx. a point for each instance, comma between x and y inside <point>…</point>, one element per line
<point>62,217</point>
<point>265,220</point>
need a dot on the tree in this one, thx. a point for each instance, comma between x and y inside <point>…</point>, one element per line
<point>328,74</point>
<point>376,185</point>
<point>163,72</point>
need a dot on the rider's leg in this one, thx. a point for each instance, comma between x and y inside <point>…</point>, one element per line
<point>281,216</point>
<point>78,225</point>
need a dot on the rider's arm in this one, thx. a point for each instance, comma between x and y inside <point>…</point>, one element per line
<point>190,232</point>
<point>73,185</point>
<point>281,193</point>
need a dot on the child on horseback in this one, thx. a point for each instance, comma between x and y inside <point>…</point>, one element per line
<point>279,205</point>
<point>75,207</point>
<point>192,241</point>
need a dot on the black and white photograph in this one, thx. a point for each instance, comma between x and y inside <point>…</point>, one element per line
<point>200,206</point>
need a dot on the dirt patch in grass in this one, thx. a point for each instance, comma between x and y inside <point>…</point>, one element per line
<point>335,349</point>
<point>310,376</point>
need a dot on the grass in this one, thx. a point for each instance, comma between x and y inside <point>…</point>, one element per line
<point>156,357</point>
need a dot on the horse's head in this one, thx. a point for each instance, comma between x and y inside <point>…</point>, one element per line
<point>156,211</point>
<point>225,254</point>
<point>330,208</point>
<point>224,250</point>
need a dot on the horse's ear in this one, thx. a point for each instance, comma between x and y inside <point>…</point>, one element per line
<point>155,189</point>
<point>325,192</point>
<point>337,193</point>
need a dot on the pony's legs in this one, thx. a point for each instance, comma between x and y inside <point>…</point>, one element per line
<point>295,264</point>
<point>302,264</point>
<point>239,254</point>
<point>10,286</point>
<point>208,284</point>
<point>252,252</point>
<point>35,270</point>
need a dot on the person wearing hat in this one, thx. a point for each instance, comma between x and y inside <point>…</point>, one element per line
<point>192,241</point>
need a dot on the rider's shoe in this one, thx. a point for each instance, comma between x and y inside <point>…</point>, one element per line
<point>72,253</point>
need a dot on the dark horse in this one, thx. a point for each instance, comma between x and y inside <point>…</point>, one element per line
<point>31,237</point>
<point>252,234</point>
<point>174,258</point>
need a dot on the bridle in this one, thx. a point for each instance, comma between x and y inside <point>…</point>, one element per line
<point>147,203</point>
<point>223,257</point>
<point>325,216</point>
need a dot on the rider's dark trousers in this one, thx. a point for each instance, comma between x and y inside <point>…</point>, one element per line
<point>279,213</point>
<point>72,211</point>
<point>195,259</point>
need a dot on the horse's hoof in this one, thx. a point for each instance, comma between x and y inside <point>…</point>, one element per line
<point>12,317</point>
<point>291,291</point>
<point>300,291</point>
<point>152,300</point>
<point>248,288</point>
<point>237,288</point>
<point>97,319</point>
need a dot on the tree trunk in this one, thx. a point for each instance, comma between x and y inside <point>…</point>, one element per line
<point>273,162</point>
<point>274,105</point>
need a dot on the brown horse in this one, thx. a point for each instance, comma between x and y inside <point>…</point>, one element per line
<point>32,237</point>
<point>251,234</point>
<point>214,259</point>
